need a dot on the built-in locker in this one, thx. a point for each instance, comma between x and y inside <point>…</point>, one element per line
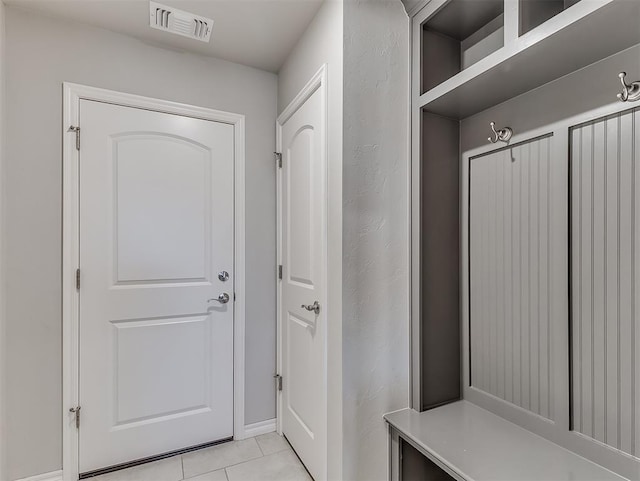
<point>526,231</point>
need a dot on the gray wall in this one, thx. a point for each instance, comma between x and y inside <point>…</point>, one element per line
<point>3,444</point>
<point>322,43</point>
<point>375,223</point>
<point>41,54</point>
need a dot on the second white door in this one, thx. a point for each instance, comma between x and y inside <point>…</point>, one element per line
<point>156,229</point>
<point>303,289</point>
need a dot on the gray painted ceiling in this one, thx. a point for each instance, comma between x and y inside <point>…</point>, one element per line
<point>258,33</point>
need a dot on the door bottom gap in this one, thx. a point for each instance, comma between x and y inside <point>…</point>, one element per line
<point>150,459</point>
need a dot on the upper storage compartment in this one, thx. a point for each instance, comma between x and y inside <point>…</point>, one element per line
<point>460,34</point>
<point>478,53</point>
<point>535,12</point>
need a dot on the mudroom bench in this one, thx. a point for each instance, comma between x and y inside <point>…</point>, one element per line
<point>464,442</point>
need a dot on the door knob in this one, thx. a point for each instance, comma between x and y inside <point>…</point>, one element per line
<point>222,298</point>
<point>315,307</point>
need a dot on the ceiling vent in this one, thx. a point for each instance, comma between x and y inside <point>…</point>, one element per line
<point>179,22</point>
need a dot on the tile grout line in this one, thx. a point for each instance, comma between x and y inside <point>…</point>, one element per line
<point>225,469</point>
<point>259,447</point>
<point>254,459</point>
<point>235,464</point>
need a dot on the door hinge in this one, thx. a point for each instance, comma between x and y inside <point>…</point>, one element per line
<point>278,379</point>
<point>76,411</point>
<point>78,279</point>
<point>280,272</point>
<point>75,129</point>
<point>278,159</point>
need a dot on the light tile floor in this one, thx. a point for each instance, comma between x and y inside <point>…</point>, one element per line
<point>264,458</point>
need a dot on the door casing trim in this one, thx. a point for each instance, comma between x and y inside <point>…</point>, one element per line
<point>317,82</point>
<point>72,95</point>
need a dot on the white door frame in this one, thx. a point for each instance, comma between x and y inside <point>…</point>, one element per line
<point>72,94</point>
<point>317,82</point>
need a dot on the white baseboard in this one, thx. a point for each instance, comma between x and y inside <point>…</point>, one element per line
<point>262,427</point>
<point>52,476</point>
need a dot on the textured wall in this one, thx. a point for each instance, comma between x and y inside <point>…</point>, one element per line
<point>41,54</point>
<point>375,223</point>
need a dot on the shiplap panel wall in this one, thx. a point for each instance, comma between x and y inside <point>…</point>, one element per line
<point>605,280</point>
<point>510,275</point>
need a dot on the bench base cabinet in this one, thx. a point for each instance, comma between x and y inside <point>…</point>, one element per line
<point>413,465</point>
<point>417,467</point>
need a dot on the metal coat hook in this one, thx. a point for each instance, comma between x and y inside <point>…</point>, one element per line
<point>630,92</point>
<point>503,135</point>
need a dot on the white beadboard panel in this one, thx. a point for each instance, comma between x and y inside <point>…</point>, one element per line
<point>605,278</point>
<point>510,275</point>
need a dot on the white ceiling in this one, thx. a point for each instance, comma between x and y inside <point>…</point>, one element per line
<point>258,33</point>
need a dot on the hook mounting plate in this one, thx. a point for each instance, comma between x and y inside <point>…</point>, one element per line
<point>630,92</point>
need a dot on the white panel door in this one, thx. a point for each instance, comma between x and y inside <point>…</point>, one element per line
<point>304,257</point>
<point>156,227</point>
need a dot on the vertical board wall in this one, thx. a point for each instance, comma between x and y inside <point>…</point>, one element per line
<point>605,274</point>
<point>510,275</point>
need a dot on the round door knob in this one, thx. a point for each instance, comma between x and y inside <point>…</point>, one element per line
<point>222,298</point>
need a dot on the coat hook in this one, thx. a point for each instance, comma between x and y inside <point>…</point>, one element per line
<point>503,135</point>
<point>630,92</point>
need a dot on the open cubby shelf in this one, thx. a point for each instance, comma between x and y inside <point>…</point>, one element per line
<point>533,13</point>
<point>458,36</point>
